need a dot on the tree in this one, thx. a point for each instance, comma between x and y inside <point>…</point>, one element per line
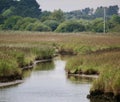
<point>51,23</point>
<point>24,8</point>
<point>24,22</point>
<point>45,15</point>
<point>6,4</point>
<point>1,19</point>
<point>57,15</point>
<point>99,12</point>
<point>86,11</point>
<point>97,25</point>
<point>70,26</point>
<point>112,10</point>
<point>9,12</point>
<point>115,19</point>
<point>27,8</point>
<point>38,26</point>
<point>11,22</point>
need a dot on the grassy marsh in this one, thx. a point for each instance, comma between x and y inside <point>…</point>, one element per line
<point>96,53</point>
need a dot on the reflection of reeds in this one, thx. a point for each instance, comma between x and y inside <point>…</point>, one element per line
<point>44,66</point>
<point>79,79</point>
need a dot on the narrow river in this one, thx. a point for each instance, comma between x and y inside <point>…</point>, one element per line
<point>47,83</point>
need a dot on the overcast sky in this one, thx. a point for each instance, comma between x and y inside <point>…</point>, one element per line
<point>68,5</point>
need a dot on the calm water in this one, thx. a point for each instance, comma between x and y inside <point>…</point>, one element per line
<point>48,85</point>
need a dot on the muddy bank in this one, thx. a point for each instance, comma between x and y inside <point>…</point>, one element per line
<point>84,75</point>
<point>104,97</point>
<point>7,84</point>
<point>36,62</point>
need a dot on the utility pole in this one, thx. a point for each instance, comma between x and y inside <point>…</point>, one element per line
<point>104,26</point>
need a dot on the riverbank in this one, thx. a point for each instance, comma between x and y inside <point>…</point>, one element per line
<point>100,95</point>
<point>7,84</point>
<point>84,75</point>
<point>14,59</point>
<point>106,64</point>
<point>15,82</point>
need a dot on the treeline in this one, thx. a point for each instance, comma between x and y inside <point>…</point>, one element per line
<point>34,24</point>
<point>90,13</point>
<point>26,15</point>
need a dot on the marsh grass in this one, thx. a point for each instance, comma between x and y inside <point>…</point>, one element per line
<point>96,54</point>
<point>93,63</point>
<point>13,59</point>
<point>109,79</point>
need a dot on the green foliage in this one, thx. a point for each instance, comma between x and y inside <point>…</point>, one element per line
<point>116,28</point>
<point>24,8</point>
<point>11,22</point>
<point>70,26</point>
<point>43,53</point>
<point>9,12</point>
<point>9,68</point>
<point>38,26</point>
<point>6,4</point>
<point>57,15</point>
<point>99,12</point>
<point>13,59</point>
<point>28,8</point>
<point>45,16</point>
<point>97,25</point>
<point>52,24</point>
<point>23,23</point>
<point>115,19</point>
<point>1,19</point>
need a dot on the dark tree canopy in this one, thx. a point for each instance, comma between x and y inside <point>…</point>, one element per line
<point>6,4</point>
<point>113,10</point>
<point>24,8</point>
<point>28,8</point>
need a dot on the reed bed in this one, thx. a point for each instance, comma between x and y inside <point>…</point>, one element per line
<point>96,54</point>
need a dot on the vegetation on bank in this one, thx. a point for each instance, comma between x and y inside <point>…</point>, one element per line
<point>104,62</point>
<point>109,79</point>
<point>94,63</point>
<point>95,54</point>
<point>13,59</point>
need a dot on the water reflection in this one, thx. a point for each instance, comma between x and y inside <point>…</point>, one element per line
<point>47,83</point>
<point>26,73</point>
<point>79,79</point>
<point>44,66</point>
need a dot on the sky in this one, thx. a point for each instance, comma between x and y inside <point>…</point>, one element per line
<point>69,5</point>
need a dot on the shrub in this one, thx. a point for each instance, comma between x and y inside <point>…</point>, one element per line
<point>51,23</point>
<point>38,26</point>
<point>11,22</point>
<point>70,26</point>
<point>23,23</point>
<point>97,25</point>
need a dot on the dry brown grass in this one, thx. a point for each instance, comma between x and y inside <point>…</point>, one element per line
<point>66,38</point>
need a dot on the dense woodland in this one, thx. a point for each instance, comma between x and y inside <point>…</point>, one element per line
<point>26,15</point>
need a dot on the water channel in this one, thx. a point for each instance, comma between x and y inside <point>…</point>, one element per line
<point>48,82</point>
